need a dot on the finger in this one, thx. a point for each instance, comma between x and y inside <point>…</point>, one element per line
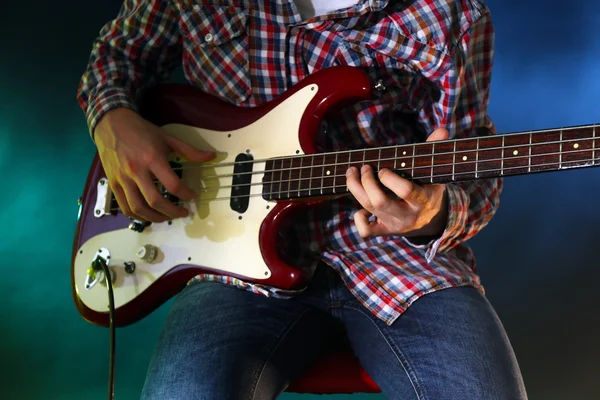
<point>367,227</point>
<point>403,188</point>
<point>121,200</point>
<point>354,184</point>
<point>378,199</point>
<point>438,134</point>
<point>361,220</point>
<point>156,201</point>
<point>174,185</point>
<point>188,152</point>
<point>138,204</point>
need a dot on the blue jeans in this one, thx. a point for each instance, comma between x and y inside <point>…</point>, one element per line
<point>222,343</point>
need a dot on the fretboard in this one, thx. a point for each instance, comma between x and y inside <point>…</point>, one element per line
<point>446,161</point>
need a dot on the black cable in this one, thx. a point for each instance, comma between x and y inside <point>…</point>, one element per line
<point>111,315</point>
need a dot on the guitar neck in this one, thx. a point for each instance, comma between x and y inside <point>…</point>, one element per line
<point>447,161</point>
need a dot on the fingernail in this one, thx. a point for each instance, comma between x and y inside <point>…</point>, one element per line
<point>350,171</point>
<point>365,168</point>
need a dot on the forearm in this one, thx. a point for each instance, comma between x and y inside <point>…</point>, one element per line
<point>136,49</point>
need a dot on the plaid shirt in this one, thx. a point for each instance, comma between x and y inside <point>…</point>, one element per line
<point>434,57</point>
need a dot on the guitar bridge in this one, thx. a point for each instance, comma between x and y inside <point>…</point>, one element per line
<point>163,191</point>
<point>104,199</point>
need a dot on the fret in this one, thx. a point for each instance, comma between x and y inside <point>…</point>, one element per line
<point>300,175</point>
<point>312,162</point>
<point>477,159</point>
<point>295,177</point>
<point>432,160</point>
<point>387,157</point>
<point>545,151</point>
<point>322,174</point>
<point>577,147</point>
<point>268,179</point>
<point>354,159</point>
<point>371,157</point>
<point>328,182</point>
<point>335,172</point>
<point>594,144</point>
<point>489,156</point>
<point>304,182</point>
<point>379,160</point>
<point>443,162</point>
<point>530,140</point>
<point>412,164</point>
<point>560,151</point>
<point>289,180</point>
<point>280,177</point>
<point>349,165</point>
<point>270,167</point>
<point>502,166</point>
<point>454,162</point>
<point>515,154</point>
<point>466,151</point>
<point>401,161</point>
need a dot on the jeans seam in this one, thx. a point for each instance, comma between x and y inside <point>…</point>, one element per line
<point>279,338</point>
<point>402,359</point>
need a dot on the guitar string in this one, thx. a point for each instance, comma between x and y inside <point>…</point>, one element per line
<point>407,157</point>
<point>207,189</point>
<point>207,201</point>
<point>422,144</point>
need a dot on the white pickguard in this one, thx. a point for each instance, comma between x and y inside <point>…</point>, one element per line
<point>213,236</point>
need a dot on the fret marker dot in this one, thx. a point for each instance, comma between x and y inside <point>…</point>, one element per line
<point>464,158</point>
<point>403,164</point>
<point>404,153</point>
<point>328,172</point>
<point>576,145</point>
<point>515,152</point>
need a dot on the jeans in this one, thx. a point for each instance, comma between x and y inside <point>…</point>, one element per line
<point>221,343</point>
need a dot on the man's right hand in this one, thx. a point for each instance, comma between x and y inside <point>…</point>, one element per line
<point>134,152</point>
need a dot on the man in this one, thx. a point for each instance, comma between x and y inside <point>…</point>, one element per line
<point>394,270</point>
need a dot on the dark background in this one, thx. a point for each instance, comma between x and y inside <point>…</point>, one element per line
<point>537,257</point>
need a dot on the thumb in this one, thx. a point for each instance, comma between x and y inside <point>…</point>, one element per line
<point>438,134</point>
<point>188,152</point>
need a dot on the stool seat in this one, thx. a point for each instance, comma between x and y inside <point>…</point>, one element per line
<point>336,372</point>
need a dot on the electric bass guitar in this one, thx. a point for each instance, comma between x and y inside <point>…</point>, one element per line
<point>266,169</point>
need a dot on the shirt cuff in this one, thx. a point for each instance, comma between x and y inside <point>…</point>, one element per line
<point>458,214</point>
<point>105,101</point>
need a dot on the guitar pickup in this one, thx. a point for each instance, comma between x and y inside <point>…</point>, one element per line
<point>242,183</point>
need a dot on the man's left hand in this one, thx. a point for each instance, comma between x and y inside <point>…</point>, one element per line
<point>417,211</point>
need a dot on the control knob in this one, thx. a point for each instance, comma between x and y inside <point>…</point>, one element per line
<point>147,253</point>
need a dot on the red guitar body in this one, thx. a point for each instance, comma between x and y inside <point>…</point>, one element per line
<point>199,119</point>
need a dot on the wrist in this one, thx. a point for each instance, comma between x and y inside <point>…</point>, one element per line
<point>436,226</point>
<point>109,118</point>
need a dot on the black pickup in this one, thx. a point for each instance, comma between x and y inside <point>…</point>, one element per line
<point>242,183</point>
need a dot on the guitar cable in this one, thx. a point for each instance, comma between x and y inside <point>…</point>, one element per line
<point>111,315</point>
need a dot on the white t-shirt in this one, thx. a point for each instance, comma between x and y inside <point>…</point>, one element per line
<point>311,8</point>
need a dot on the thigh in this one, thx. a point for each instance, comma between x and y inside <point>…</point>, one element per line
<point>449,344</point>
<point>220,342</point>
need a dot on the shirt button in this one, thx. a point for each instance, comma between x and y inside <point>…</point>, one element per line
<point>208,38</point>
